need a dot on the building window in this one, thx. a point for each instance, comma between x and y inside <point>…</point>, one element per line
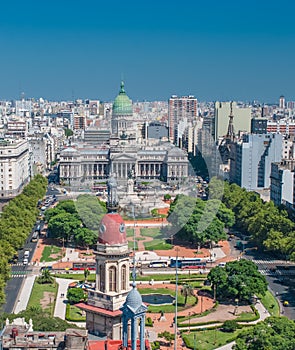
<point>112,279</point>
<point>102,277</point>
<point>123,277</point>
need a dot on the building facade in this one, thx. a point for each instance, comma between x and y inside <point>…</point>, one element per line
<point>84,164</point>
<point>14,167</point>
<point>180,110</point>
<point>282,183</point>
<point>254,154</point>
<point>222,111</point>
<point>122,115</point>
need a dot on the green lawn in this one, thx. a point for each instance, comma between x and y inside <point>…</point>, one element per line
<point>77,276</point>
<point>150,232</point>
<point>131,245</point>
<point>247,317</point>
<point>50,250</point>
<point>157,244</point>
<point>168,308</point>
<point>129,232</point>
<point>74,314</point>
<point>171,277</point>
<point>208,339</point>
<point>45,292</point>
<point>271,304</point>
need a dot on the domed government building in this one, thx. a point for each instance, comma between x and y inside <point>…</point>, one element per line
<point>126,149</point>
<point>122,116</point>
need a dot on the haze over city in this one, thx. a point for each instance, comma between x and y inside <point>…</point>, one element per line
<point>216,50</point>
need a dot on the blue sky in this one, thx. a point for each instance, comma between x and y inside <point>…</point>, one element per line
<point>241,50</point>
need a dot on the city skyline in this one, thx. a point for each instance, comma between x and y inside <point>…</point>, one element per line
<point>213,51</point>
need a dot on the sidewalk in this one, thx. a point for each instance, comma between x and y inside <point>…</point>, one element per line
<point>24,295</point>
<point>60,304</point>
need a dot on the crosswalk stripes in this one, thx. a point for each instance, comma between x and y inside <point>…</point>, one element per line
<point>19,273</point>
<point>15,276</point>
<point>17,264</point>
<point>268,272</point>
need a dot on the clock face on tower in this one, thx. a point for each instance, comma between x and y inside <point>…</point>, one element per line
<point>102,228</point>
<point>122,228</point>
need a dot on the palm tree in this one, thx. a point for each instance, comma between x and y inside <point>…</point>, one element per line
<point>186,291</point>
<point>86,274</point>
<point>45,277</point>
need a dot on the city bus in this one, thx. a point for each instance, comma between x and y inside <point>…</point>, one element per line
<point>158,263</point>
<point>188,263</point>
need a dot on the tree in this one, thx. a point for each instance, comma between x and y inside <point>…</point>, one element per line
<point>86,274</point>
<point>63,225</point>
<point>229,326</point>
<point>68,206</point>
<point>46,277</point>
<point>275,333</point>
<point>216,188</point>
<point>75,295</point>
<point>186,291</point>
<point>169,337</point>
<point>218,278</point>
<point>239,279</point>
<point>85,237</point>
<point>90,210</point>
<point>167,197</point>
<point>68,133</point>
<point>41,319</point>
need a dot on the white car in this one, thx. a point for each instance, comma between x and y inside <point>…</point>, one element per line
<point>25,261</point>
<point>222,264</point>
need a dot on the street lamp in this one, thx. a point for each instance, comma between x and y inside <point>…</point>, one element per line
<point>201,304</point>
<point>236,307</point>
<point>176,300</point>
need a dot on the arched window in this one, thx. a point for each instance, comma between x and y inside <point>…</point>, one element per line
<point>112,279</point>
<point>123,277</point>
<point>101,278</point>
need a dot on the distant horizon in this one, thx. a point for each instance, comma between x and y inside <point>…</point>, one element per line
<point>141,101</point>
<point>217,51</point>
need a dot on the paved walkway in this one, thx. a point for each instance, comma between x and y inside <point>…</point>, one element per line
<point>60,303</point>
<point>25,293</point>
<point>70,255</point>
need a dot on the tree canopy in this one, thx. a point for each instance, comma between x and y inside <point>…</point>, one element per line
<point>268,226</point>
<point>274,333</point>
<point>199,222</point>
<point>41,319</point>
<point>76,220</point>
<point>75,295</point>
<point>238,279</point>
<point>16,222</point>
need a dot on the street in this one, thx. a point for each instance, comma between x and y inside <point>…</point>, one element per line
<point>281,279</point>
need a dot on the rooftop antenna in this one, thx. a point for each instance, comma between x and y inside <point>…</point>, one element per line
<point>230,130</point>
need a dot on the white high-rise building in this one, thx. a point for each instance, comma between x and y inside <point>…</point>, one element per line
<point>14,167</point>
<point>181,110</point>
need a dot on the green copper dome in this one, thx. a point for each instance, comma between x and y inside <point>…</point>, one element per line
<point>122,104</point>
